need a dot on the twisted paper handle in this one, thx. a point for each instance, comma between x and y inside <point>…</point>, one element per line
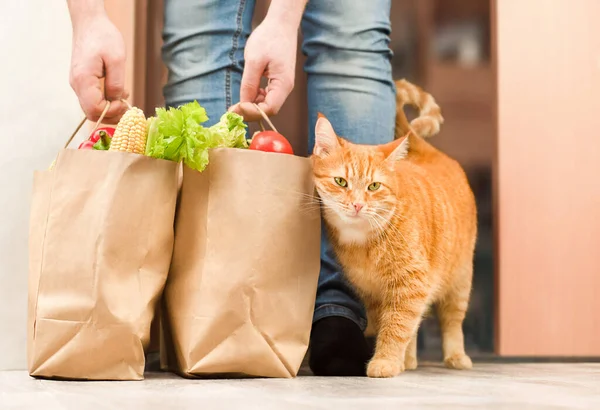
<point>102,115</point>
<point>265,117</point>
<point>104,111</point>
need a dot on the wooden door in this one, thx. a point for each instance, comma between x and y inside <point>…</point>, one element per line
<point>548,177</point>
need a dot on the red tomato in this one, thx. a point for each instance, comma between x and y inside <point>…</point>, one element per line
<point>87,145</point>
<point>271,141</point>
<point>95,137</point>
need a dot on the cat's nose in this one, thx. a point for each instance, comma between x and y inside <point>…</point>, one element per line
<point>358,207</point>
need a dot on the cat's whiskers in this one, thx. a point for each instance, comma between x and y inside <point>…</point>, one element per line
<point>335,207</point>
<point>311,212</point>
<point>312,198</point>
<point>309,203</point>
<point>380,229</point>
<point>387,227</point>
<point>394,229</point>
<point>385,235</point>
<point>371,225</point>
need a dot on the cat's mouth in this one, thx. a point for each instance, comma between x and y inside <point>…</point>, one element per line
<point>352,216</point>
<point>345,215</point>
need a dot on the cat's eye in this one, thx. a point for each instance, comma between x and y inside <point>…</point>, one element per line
<point>374,186</point>
<point>341,182</point>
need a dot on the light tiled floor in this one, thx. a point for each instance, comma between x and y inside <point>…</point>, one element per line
<point>488,386</point>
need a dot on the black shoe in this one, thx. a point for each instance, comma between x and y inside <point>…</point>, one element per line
<point>338,348</point>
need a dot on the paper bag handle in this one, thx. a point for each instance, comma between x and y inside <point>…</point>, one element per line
<point>104,111</point>
<point>102,115</point>
<point>265,117</point>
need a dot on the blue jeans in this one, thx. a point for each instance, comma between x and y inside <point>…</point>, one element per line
<point>349,80</point>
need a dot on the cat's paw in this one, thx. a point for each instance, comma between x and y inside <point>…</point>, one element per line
<point>458,361</point>
<point>410,362</point>
<point>383,368</point>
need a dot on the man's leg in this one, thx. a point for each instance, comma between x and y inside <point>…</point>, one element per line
<point>203,50</point>
<point>350,81</point>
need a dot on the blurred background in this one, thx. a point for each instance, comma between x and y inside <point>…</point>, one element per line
<point>443,46</point>
<point>518,83</point>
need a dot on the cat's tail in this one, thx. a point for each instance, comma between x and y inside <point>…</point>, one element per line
<point>428,123</point>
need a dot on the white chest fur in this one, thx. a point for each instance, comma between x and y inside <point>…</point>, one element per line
<point>350,230</point>
<point>352,234</point>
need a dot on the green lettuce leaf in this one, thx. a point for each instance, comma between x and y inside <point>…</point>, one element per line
<point>152,125</point>
<point>197,151</point>
<point>177,135</point>
<point>230,131</point>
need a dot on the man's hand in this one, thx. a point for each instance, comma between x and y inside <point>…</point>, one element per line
<point>97,61</point>
<point>271,53</point>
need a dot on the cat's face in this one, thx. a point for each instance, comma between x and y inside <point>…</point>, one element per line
<point>357,183</point>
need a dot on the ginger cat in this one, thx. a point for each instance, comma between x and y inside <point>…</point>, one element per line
<point>402,221</point>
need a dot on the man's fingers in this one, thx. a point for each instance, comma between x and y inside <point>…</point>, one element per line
<point>114,82</point>
<point>115,112</point>
<point>262,93</point>
<point>88,88</point>
<point>259,98</point>
<point>277,92</point>
<point>92,96</point>
<point>114,87</point>
<point>253,71</point>
<point>246,110</point>
<point>93,102</point>
<point>270,101</point>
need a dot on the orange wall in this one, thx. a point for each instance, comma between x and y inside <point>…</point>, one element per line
<point>548,177</point>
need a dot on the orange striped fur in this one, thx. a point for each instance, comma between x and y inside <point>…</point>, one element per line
<point>407,242</point>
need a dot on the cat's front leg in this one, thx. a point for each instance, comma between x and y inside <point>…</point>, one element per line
<point>398,323</point>
<point>372,318</point>
<point>410,357</point>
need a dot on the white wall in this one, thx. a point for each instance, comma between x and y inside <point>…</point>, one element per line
<point>38,111</point>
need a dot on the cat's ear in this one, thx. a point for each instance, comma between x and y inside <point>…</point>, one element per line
<point>325,138</point>
<point>401,150</point>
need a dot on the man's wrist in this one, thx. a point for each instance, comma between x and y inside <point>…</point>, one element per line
<point>288,13</point>
<point>84,10</point>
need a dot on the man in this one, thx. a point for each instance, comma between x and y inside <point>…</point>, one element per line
<point>213,57</point>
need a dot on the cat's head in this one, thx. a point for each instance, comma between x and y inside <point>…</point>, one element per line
<point>357,183</point>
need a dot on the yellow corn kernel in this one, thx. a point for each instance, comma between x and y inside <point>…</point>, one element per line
<point>130,134</point>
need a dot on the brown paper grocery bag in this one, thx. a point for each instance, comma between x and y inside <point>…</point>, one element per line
<point>101,240</point>
<point>240,295</point>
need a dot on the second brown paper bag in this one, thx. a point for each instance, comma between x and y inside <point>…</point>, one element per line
<point>240,295</point>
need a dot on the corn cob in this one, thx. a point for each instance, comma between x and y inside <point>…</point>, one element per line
<point>131,132</point>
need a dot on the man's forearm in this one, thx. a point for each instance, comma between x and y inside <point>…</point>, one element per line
<point>287,12</point>
<point>81,10</point>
